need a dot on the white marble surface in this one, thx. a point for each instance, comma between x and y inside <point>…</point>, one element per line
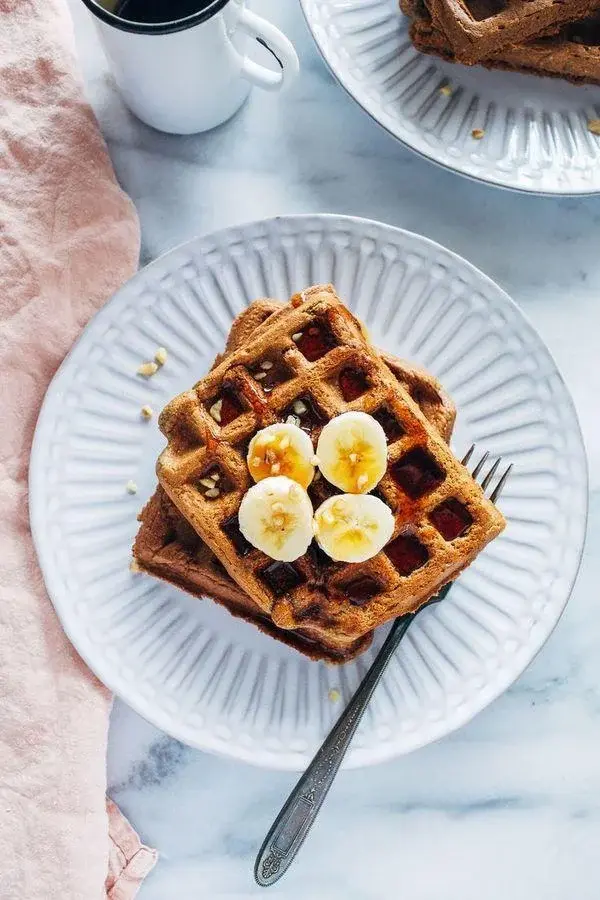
<point>510,805</point>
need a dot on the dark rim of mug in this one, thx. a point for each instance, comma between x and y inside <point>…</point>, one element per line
<point>155,27</point>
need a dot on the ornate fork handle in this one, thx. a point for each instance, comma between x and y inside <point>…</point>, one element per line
<point>302,806</point>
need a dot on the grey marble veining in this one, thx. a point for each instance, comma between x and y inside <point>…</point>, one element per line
<point>509,806</point>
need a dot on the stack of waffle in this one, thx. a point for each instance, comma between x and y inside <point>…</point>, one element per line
<point>553,38</point>
<point>319,364</point>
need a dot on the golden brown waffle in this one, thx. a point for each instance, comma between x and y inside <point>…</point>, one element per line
<point>477,29</point>
<point>573,53</point>
<point>168,548</point>
<point>208,429</point>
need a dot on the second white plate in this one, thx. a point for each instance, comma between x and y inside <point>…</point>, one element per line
<point>216,682</point>
<point>536,135</point>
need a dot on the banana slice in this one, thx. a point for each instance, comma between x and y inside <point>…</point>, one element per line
<point>353,527</point>
<point>352,452</point>
<point>276,516</point>
<point>282,449</point>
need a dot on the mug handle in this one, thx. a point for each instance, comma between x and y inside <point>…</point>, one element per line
<point>277,43</point>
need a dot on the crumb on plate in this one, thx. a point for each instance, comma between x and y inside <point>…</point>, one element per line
<point>147,369</point>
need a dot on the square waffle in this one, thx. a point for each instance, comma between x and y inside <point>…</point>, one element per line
<point>313,344</point>
<point>168,548</point>
<point>477,29</point>
<point>573,53</point>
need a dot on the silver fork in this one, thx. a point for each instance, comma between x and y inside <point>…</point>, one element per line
<point>300,810</point>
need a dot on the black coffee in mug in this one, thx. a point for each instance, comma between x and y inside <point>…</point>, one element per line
<point>158,11</point>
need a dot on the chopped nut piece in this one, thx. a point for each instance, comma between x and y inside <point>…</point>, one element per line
<point>299,408</point>
<point>161,356</point>
<point>297,336</point>
<point>134,566</point>
<point>446,90</point>
<point>266,364</point>
<point>207,483</point>
<point>146,412</point>
<point>216,476</point>
<point>334,695</point>
<point>260,375</point>
<point>213,493</point>
<point>477,133</point>
<point>131,487</point>
<point>594,126</point>
<point>275,468</point>
<point>292,420</point>
<point>215,411</point>
<point>147,369</point>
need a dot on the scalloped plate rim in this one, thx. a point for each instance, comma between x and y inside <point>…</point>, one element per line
<point>366,105</point>
<point>161,719</point>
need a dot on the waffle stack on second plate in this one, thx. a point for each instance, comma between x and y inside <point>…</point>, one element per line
<point>319,365</point>
<point>540,37</point>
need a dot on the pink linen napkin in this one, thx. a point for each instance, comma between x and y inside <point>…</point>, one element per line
<point>68,238</point>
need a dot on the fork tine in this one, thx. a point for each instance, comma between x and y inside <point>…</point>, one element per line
<point>480,465</point>
<point>490,474</point>
<point>468,455</point>
<point>499,487</point>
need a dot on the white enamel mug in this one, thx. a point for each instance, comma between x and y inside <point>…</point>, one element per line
<point>191,74</point>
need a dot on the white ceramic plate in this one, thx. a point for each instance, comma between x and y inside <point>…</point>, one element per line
<point>536,135</point>
<point>211,680</point>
